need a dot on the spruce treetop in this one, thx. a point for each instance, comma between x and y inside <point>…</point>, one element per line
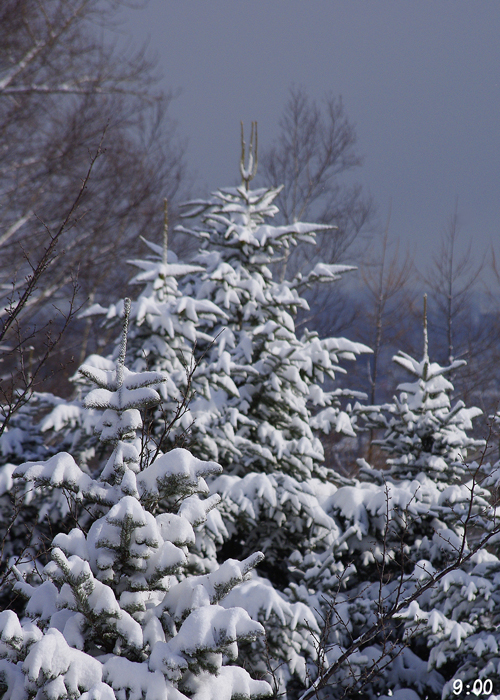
<point>425,432</point>
<point>277,402</point>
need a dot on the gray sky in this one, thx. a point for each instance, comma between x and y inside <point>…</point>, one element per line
<point>421,81</point>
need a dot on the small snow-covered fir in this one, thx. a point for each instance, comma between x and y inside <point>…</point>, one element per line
<point>113,616</point>
<point>405,524</point>
<point>424,433</point>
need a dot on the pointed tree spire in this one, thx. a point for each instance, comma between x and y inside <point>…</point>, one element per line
<point>426,340</point>
<point>248,173</point>
<point>425,433</point>
<point>123,343</point>
<point>426,335</point>
<point>165,231</point>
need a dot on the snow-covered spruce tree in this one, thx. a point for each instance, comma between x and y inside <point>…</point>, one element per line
<point>116,614</point>
<point>279,401</point>
<point>455,621</point>
<point>423,431</point>
<point>29,516</point>
<point>281,395</point>
<point>406,524</point>
<point>463,629</point>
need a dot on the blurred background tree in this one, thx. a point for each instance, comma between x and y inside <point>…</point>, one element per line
<point>313,157</point>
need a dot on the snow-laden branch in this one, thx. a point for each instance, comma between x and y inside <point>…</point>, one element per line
<point>13,228</point>
<point>71,89</point>
<point>16,70</point>
<point>37,48</point>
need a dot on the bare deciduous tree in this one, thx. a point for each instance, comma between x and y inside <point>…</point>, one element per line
<point>63,79</point>
<point>457,304</point>
<point>20,375</point>
<point>451,280</point>
<point>386,280</point>
<point>315,149</point>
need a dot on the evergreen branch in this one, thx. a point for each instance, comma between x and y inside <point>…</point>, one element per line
<point>400,605</point>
